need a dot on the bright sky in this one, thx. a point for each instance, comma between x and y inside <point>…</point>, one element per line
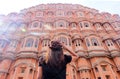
<point>111,6</point>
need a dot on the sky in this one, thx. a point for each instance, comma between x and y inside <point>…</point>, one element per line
<point>111,6</point>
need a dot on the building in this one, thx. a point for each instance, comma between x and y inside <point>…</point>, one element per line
<point>93,36</point>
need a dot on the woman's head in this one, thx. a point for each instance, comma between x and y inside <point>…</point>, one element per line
<point>56,45</point>
<point>55,56</point>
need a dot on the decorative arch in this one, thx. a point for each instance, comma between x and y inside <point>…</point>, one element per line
<point>29,42</point>
<point>60,13</point>
<point>50,13</point>
<point>58,34</point>
<point>73,24</point>
<point>39,13</point>
<point>101,61</point>
<point>70,13</point>
<point>63,37</point>
<point>2,43</point>
<point>90,14</point>
<point>35,24</point>
<point>87,42</point>
<point>97,23</point>
<point>29,36</point>
<point>76,36</point>
<point>29,14</point>
<point>61,23</point>
<point>92,34</point>
<point>106,23</point>
<point>92,39</point>
<point>25,63</point>
<point>80,13</point>
<point>98,16</point>
<point>94,42</point>
<point>85,24</point>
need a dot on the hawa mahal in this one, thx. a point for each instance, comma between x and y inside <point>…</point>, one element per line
<point>93,36</point>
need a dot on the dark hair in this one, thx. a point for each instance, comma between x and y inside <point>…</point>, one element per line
<point>55,56</point>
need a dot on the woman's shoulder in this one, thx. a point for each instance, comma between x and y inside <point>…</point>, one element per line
<point>67,58</point>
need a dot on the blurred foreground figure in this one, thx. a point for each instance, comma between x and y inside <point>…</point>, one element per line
<point>53,65</point>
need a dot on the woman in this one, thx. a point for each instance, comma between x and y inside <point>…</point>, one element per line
<point>53,65</point>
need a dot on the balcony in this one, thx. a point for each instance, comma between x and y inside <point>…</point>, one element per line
<point>26,55</point>
<point>31,49</point>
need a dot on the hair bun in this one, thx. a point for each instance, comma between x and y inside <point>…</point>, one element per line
<point>55,45</point>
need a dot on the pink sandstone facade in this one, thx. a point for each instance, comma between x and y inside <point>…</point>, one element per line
<point>93,36</point>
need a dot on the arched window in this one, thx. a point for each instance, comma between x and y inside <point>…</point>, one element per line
<point>2,43</point>
<point>86,24</point>
<point>96,69</point>
<point>23,69</point>
<point>50,13</point>
<point>80,14</point>
<point>59,13</point>
<point>106,26</point>
<point>13,44</point>
<point>35,24</point>
<point>87,42</point>
<point>91,15</point>
<point>61,24</point>
<point>73,25</point>
<point>98,16</point>
<point>94,42</point>
<point>77,42</point>
<point>63,40</point>
<point>45,42</point>
<point>31,70</point>
<point>98,26</point>
<point>109,42</point>
<point>69,13</point>
<point>80,24</point>
<point>29,42</point>
<point>36,43</point>
<point>39,14</point>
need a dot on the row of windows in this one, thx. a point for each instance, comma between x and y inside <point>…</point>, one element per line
<point>67,41</point>
<point>2,43</point>
<point>23,69</point>
<point>94,42</point>
<point>77,42</point>
<point>85,70</point>
<point>61,13</point>
<point>30,43</point>
<point>64,24</point>
<point>104,68</point>
<point>61,23</point>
